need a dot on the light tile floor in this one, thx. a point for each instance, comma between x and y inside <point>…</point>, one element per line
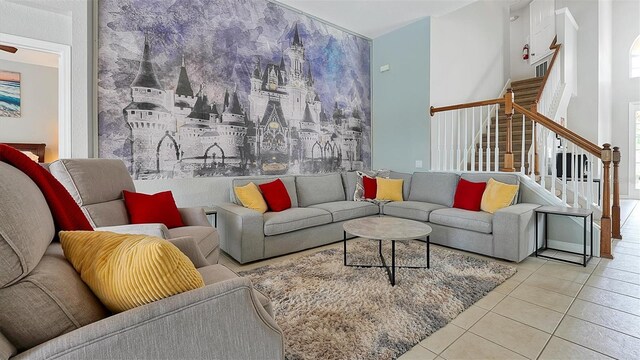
<point>548,310</point>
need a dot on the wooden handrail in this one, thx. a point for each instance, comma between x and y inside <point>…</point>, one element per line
<point>556,50</point>
<point>434,110</point>
<point>592,148</point>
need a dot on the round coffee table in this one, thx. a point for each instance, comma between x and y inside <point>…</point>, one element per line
<point>386,228</point>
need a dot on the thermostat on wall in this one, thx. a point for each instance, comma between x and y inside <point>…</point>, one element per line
<point>385,67</point>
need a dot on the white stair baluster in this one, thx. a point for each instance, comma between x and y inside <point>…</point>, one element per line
<point>452,151</point>
<point>574,174</point>
<point>589,181</point>
<point>496,151</point>
<point>458,153</point>
<point>438,135</point>
<point>488,138</point>
<point>583,167</point>
<point>473,139</point>
<point>466,137</point>
<point>480,150</point>
<point>543,157</point>
<point>522,146</point>
<point>444,142</point>
<point>564,171</point>
<point>554,174</point>
<point>534,140</point>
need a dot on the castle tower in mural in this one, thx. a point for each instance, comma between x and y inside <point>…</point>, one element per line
<point>284,129</point>
<point>147,116</point>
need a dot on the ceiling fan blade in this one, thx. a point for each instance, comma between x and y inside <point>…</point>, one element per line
<point>7,48</point>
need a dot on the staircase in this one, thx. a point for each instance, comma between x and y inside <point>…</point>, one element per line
<point>526,92</point>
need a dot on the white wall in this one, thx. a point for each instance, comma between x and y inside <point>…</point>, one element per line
<point>66,22</point>
<point>582,114</point>
<point>519,36</point>
<point>469,53</point>
<point>39,108</point>
<point>469,58</point>
<point>605,38</point>
<point>626,28</point>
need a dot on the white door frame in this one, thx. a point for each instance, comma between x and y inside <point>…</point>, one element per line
<point>64,83</point>
<point>632,191</point>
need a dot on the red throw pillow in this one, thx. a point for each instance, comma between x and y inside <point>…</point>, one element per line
<point>156,208</point>
<point>370,187</point>
<point>276,195</point>
<point>469,195</point>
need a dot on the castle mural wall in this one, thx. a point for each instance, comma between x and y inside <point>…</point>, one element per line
<point>188,88</point>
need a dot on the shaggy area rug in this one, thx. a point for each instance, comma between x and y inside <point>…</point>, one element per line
<point>330,311</point>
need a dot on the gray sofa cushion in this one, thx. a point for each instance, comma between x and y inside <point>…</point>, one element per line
<point>345,210</point>
<point>26,225</point>
<point>50,301</point>
<point>510,179</point>
<point>110,213</point>
<point>294,219</point>
<point>434,187</point>
<point>318,189</point>
<point>349,181</point>
<point>478,221</point>
<point>414,210</point>
<point>406,184</point>
<point>92,181</point>
<point>289,183</point>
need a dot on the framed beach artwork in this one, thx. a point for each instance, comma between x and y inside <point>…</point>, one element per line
<point>9,94</point>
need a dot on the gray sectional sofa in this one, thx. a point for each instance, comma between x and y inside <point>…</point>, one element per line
<point>322,203</point>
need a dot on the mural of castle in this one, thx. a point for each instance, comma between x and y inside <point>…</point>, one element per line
<point>278,126</point>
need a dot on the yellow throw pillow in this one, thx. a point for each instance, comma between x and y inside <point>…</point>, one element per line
<point>497,195</point>
<point>251,197</point>
<point>126,271</point>
<point>389,189</point>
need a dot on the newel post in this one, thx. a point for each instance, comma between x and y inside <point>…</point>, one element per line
<point>509,111</point>
<point>615,209</point>
<point>534,168</point>
<point>605,221</point>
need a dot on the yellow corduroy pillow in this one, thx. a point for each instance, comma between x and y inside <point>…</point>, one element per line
<point>126,271</point>
<point>251,197</point>
<point>497,195</point>
<point>389,189</point>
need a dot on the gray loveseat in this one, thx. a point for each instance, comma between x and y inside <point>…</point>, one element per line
<point>322,203</point>
<point>47,312</point>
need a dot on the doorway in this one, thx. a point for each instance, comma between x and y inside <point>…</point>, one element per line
<point>63,53</point>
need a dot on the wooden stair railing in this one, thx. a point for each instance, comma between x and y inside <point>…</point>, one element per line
<point>556,50</point>
<point>535,107</point>
<point>606,154</point>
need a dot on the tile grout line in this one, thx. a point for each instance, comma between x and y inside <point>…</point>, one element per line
<point>564,316</point>
<point>609,307</point>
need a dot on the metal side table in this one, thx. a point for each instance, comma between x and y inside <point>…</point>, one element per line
<point>212,210</point>
<point>565,211</point>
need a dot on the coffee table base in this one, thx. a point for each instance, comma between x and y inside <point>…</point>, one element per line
<point>391,270</point>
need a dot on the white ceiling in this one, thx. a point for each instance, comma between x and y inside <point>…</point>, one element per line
<point>373,18</point>
<point>33,57</point>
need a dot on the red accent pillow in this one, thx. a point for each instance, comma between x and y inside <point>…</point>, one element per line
<point>276,195</point>
<point>156,208</point>
<point>370,187</point>
<point>469,195</point>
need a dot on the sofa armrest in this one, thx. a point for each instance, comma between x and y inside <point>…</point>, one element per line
<point>194,216</point>
<point>241,232</point>
<point>159,230</point>
<point>188,246</point>
<point>219,321</point>
<point>513,232</point>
